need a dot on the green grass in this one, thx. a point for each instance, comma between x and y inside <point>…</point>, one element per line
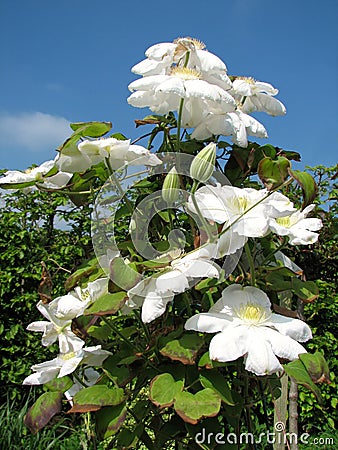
<point>14,435</point>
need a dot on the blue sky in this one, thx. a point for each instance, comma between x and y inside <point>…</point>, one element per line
<point>69,60</point>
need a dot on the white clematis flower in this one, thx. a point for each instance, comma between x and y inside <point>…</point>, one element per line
<point>62,310</point>
<point>163,93</point>
<point>257,96</point>
<point>244,208</point>
<point>162,57</point>
<point>117,152</point>
<point>155,292</point>
<point>245,326</point>
<point>66,363</point>
<point>297,227</point>
<point>236,124</point>
<point>37,175</point>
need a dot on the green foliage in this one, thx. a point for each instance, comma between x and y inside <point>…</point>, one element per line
<point>38,227</point>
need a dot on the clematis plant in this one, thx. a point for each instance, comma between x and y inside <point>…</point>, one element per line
<point>144,323</point>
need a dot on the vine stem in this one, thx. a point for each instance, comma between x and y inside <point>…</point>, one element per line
<point>251,263</point>
<point>118,186</point>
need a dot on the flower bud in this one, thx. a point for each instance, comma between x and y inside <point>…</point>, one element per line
<point>203,164</point>
<point>170,188</point>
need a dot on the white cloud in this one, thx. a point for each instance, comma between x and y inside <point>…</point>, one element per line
<point>33,131</point>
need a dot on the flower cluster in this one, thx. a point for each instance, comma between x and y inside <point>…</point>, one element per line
<point>60,312</point>
<point>182,76</point>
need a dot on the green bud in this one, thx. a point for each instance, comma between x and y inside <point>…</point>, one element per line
<point>171,185</point>
<point>203,164</point>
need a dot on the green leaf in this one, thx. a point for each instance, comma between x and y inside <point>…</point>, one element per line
<point>307,291</point>
<point>214,380</point>
<point>316,366</point>
<point>297,370</point>
<point>120,375</point>
<point>16,185</point>
<point>308,185</point>
<point>164,389</point>
<point>91,129</point>
<point>108,304</point>
<point>183,349</point>
<point>123,275</point>
<point>95,397</point>
<point>59,384</point>
<point>109,420</point>
<point>279,279</point>
<point>193,407</point>
<point>46,406</point>
<point>86,269</point>
<point>273,172</point>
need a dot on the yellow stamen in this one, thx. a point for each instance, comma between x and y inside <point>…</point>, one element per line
<point>249,80</point>
<point>252,313</point>
<point>67,356</point>
<point>286,222</point>
<point>189,44</point>
<point>185,73</point>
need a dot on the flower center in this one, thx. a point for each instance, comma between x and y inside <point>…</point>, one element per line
<point>249,80</point>
<point>286,222</point>
<point>185,73</point>
<point>189,44</point>
<point>252,313</point>
<point>242,203</point>
<point>67,356</point>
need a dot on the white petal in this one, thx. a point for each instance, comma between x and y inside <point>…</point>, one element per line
<point>94,356</point>
<point>172,85</point>
<point>229,345</point>
<point>295,328</point>
<point>207,322</point>
<point>40,326</point>
<point>69,365</point>
<point>41,377</point>
<point>148,83</point>
<point>229,242</point>
<point>154,306</point>
<point>260,358</point>
<point>282,346</point>
<point>236,295</point>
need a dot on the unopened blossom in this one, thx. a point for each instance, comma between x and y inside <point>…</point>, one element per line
<point>184,52</point>
<point>163,93</point>
<point>246,326</point>
<point>255,95</point>
<point>155,292</point>
<point>66,363</point>
<point>112,151</point>
<point>297,226</point>
<point>37,175</point>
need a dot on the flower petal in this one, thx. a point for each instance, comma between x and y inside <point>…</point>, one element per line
<point>208,322</point>
<point>229,345</point>
<point>294,328</point>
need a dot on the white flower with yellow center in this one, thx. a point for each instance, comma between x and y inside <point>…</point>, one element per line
<point>297,227</point>
<point>155,292</point>
<point>60,312</point>
<point>163,93</point>
<point>184,51</point>
<point>244,208</point>
<point>254,95</point>
<point>66,363</point>
<point>246,326</point>
<point>81,157</point>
